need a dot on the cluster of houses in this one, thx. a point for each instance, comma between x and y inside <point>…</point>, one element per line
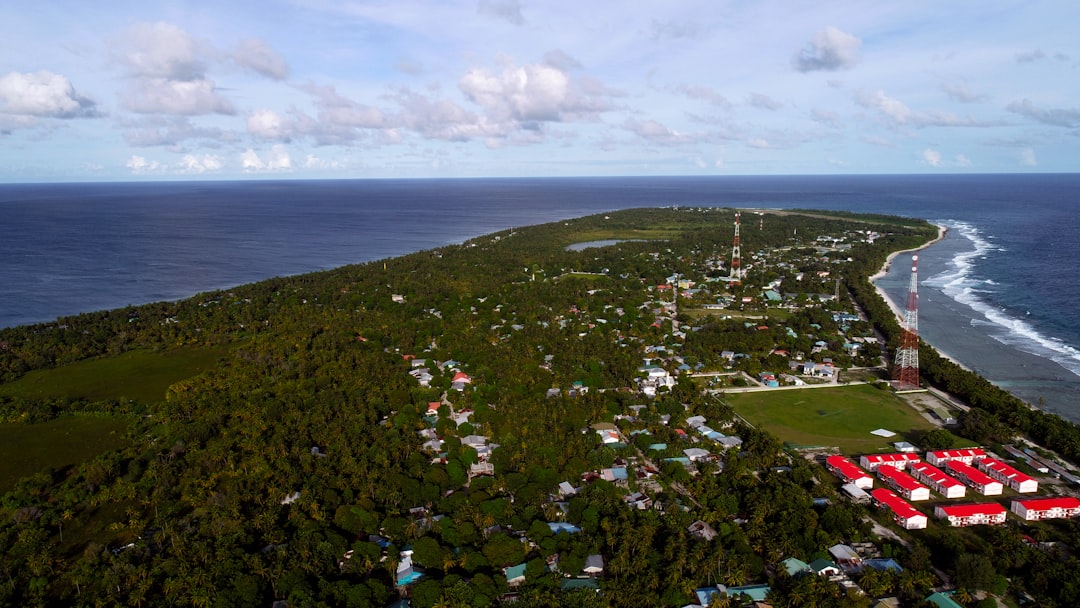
<point>910,478</point>
<point>843,562</point>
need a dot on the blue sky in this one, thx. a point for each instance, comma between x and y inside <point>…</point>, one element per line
<point>124,90</point>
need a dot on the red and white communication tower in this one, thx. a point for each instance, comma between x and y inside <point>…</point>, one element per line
<point>736,255</point>
<point>906,366</point>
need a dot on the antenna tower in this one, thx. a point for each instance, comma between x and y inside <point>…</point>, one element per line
<point>736,255</point>
<point>906,366</point>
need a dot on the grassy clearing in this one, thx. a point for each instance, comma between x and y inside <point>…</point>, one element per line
<point>26,449</point>
<point>639,234</point>
<point>141,376</point>
<point>842,416</point>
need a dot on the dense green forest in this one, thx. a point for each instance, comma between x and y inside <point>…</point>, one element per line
<point>426,410</point>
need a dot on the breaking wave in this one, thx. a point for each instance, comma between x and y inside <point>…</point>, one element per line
<point>962,285</point>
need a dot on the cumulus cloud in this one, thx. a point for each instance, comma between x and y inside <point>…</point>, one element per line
<point>268,124</point>
<point>140,165</point>
<point>932,157</point>
<point>960,92</point>
<point>44,95</point>
<point>177,97</point>
<point>962,161</point>
<point>531,93</point>
<point>191,163</point>
<point>277,159</point>
<point>759,100</point>
<point>162,50</point>
<point>830,50</point>
<point>506,10</point>
<point>254,54</point>
<point>443,119</point>
<point>897,113</point>
<point>1028,158</point>
<point>167,72</point>
<point>1058,117</point>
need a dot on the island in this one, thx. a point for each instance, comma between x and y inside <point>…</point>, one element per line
<point>652,407</point>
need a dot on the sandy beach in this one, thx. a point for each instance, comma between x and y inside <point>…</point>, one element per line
<point>899,312</point>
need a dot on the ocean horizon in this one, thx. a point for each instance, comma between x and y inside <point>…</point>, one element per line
<point>994,293</point>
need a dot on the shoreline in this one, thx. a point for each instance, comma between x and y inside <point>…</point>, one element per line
<point>883,271</point>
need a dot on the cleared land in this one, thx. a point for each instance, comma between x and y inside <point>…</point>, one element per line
<point>141,376</point>
<point>26,449</point>
<point>842,417</point>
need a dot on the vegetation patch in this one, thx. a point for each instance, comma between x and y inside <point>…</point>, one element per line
<point>140,375</point>
<point>842,416</point>
<point>26,449</point>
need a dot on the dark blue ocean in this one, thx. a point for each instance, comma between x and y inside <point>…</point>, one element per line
<point>1000,294</point>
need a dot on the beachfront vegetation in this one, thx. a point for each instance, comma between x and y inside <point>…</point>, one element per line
<point>472,425</point>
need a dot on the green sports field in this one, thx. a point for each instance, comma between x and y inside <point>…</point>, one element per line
<point>843,416</point>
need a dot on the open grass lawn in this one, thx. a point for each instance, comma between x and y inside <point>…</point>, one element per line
<point>842,416</point>
<point>26,449</point>
<point>141,376</point>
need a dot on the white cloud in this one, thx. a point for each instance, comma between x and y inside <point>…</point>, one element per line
<point>1058,117</point>
<point>1028,158</point>
<point>704,93</point>
<point>533,92</point>
<point>830,50</point>
<point>277,159</point>
<point>962,161</point>
<point>759,100</point>
<point>42,94</point>
<point>506,10</point>
<point>897,113</point>
<point>170,131</point>
<point>825,117</point>
<point>191,163</point>
<point>268,124</point>
<point>657,133</point>
<point>164,51</point>
<point>960,92</point>
<point>166,68</point>
<point>932,157</point>
<point>140,166</point>
<point>176,97</point>
<point>256,55</point>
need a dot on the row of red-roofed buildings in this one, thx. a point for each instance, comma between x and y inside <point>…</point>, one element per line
<point>1030,509</point>
<point>973,466</point>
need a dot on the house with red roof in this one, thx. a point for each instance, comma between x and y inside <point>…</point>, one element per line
<point>1034,509</point>
<point>972,515</point>
<point>848,471</point>
<point>897,460</point>
<point>903,483</point>
<point>903,513</point>
<point>967,456</point>
<point>974,478</point>
<point>937,480</point>
<point>1008,475</point>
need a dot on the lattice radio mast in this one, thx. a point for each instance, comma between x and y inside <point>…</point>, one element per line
<point>906,366</point>
<point>736,255</point>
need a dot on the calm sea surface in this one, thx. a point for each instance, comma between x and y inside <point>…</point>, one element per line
<point>1000,294</point>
